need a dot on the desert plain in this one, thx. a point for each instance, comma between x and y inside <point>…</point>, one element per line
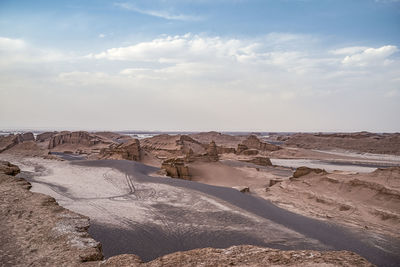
<point>209,198</point>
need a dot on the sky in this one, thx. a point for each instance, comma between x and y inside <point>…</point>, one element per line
<point>200,65</point>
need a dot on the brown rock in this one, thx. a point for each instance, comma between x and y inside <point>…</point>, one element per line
<point>212,152</point>
<point>247,255</point>
<point>36,231</point>
<point>301,171</point>
<point>225,150</point>
<point>80,137</point>
<point>241,148</point>
<point>9,141</point>
<point>8,168</point>
<point>262,161</point>
<point>27,137</point>
<point>130,151</point>
<point>250,152</point>
<point>122,260</point>
<point>45,136</point>
<point>175,168</point>
<point>384,143</point>
<point>253,142</point>
<point>275,181</point>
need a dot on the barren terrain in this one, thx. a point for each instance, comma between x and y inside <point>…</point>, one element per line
<point>135,208</point>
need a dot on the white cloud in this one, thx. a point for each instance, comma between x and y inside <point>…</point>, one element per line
<point>17,52</point>
<point>349,50</point>
<point>191,82</point>
<point>8,44</point>
<point>370,56</point>
<point>158,13</point>
<point>181,48</point>
<point>102,35</point>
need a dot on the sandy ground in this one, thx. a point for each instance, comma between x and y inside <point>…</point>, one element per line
<point>132,212</point>
<point>160,218</point>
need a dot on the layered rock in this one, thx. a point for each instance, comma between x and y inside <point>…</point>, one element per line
<point>359,142</point>
<point>167,146</point>
<point>175,168</point>
<point>212,152</point>
<point>80,137</point>
<point>220,139</point>
<point>36,231</point>
<point>7,142</point>
<point>129,150</point>
<point>253,142</point>
<point>45,136</point>
<point>27,137</point>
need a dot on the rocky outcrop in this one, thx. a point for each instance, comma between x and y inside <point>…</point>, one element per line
<point>275,181</point>
<point>80,137</point>
<point>8,168</point>
<point>250,152</point>
<point>169,146</point>
<point>245,255</point>
<point>129,150</point>
<point>301,171</point>
<point>226,150</point>
<point>262,161</point>
<point>7,142</point>
<point>241,148</point>
<point>36,231</point>
<point>253,142</point>
<point>175,168</point>
<point>45,136</point>
<point>358,142</point>
<point>212,152</point>
<point>27,137</point>
<point>219,138</point>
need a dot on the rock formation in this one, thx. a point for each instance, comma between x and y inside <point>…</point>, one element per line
<point>301,171</point>
<point>250,152</point>
<point>36,231</point>
<point>253,142</point>
<point>275,181</point>
<point>80,137</point>
<point>129,150</point>
<point>175,168</point>
<point>169,146</point>
<point>27,137</point>
<point>212,152</point>
<point>225,150</point>
<point>262,161</point>
<point>45,136</point>
<point>220,139</point>
<point>367,201</point>
<point>245,255</point>
<point>7,142</point>
<point>359,142</point>
<point>241,148</point>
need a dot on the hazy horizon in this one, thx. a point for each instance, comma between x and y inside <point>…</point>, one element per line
<point>201,65</point>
